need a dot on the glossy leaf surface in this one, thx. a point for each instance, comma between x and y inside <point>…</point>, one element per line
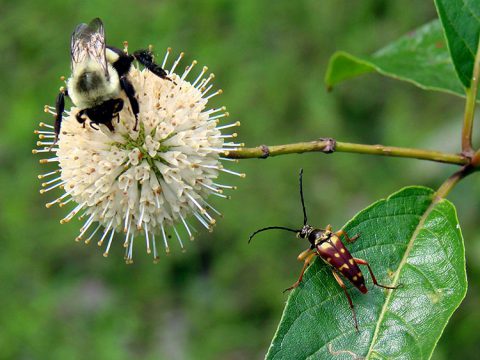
<point>461,23</point>
<point>420,57</point>
<point>407,239</point>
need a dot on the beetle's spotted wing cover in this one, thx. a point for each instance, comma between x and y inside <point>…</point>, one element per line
<point>337,255</point>
<point>88,41</point>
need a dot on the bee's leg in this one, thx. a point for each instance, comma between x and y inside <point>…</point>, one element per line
<point>59,107</point>
<point>307,256</point>
<point>350,302</point>
<point>93,127</point>
<point>349,239</point>
<point>120,60</point>
<point>374,279</point>
<point>145,58</point>
<point>109,125</point>
<point>80,117</point>
<point>127,86</point>
<point>117,107</point>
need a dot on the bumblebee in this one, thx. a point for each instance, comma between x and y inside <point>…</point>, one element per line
<point>99,75</point>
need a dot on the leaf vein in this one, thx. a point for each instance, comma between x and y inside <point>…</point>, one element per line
<point>397,275</point>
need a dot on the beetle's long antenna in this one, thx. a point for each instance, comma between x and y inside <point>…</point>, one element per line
<point>270,228</point>
<point>301,197</point>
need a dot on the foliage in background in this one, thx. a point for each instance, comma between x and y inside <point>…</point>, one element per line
<point>222,299</point>
<point>429,258</point>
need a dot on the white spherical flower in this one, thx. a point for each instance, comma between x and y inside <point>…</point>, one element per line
<point>146,180</point>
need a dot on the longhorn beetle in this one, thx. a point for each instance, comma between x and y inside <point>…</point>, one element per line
<point>328,245</point>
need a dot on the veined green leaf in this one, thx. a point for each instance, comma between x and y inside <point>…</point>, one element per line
<point>408,239</point>
<point>420,57</point>
<point>461,23</point>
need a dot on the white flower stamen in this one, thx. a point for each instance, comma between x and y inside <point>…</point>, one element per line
<point>143,181</point>
<point>212,208</point>
<point>87,241</point>
<point>229,125</point>
<point>188,69</point>
<point>155,253</point>
<point>86,226</point>
<point>202,220</point>
<point>109,243</point>
<point>42,124</point>
<point>169,50</point>
<point>105,232</point>
<point>147,239</point>
<point>172,70</point>
<point>206,90</point>
<point>218,92</point>
<point>167,249</point>
<point>204,70</point>
<point>51,181</point>
<point>213,111</point>
<point>62,204</point>
<point>221,195</point>
<point>186,227</point>
<point>178,237</point>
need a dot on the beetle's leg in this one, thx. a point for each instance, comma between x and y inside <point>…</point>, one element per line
<point>350,302</point>
<point>127,86</point>
<point>363,262</point>
<point>145,58</point>
<point>307,256</point>
<point>304,254</point>
<point>349,239</point>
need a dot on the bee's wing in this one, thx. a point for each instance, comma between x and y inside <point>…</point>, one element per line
<point>88,41</point>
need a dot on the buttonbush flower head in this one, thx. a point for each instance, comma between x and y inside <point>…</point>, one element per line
<point>146,182</point>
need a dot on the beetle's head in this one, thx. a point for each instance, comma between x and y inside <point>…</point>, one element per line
<point>304,232</point>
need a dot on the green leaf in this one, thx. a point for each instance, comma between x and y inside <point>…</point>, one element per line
<point>408,239</point>
<point>420,57</point>
<point>461,23</point>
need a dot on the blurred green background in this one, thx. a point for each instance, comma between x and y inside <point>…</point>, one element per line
<point>222,299</point>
